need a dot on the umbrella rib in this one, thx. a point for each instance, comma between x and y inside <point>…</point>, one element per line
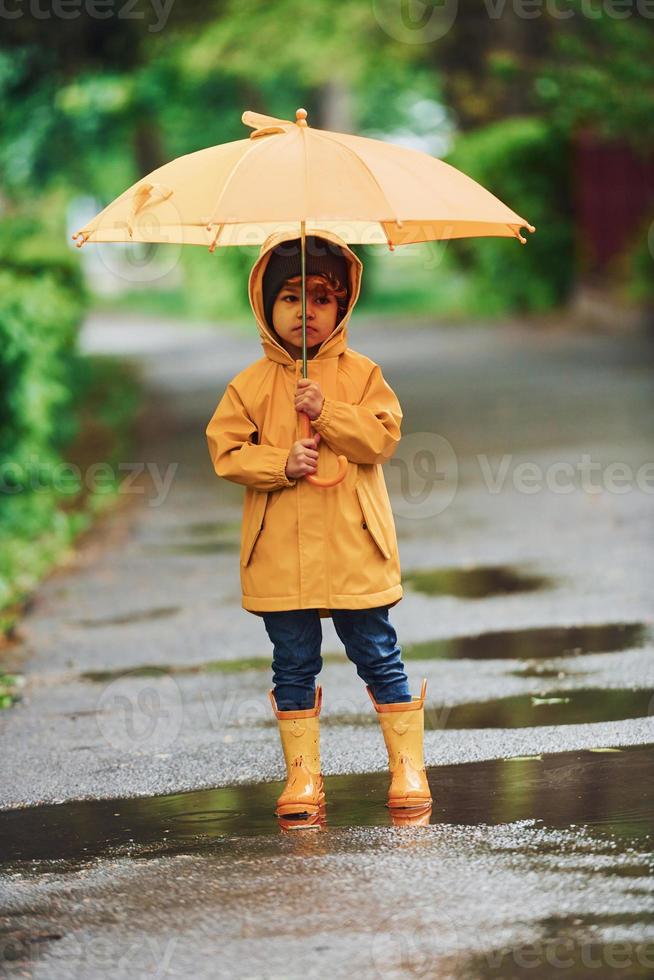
<point>255,145</point>
<point>303,130</point>
<point>323,134</point>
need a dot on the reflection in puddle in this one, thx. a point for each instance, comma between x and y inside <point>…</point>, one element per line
<point>565,953</point>
<point>568,946</point>
<point>612,792</point>
<point>573,707</point>
<point>139,616</point>
<point>536,644</point>
<point>475,583</point>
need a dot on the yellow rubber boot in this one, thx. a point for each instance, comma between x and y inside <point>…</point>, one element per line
<point>403,725</point>
<point>304,794</point>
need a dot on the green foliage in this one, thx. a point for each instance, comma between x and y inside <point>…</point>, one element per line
<point>524,162</point>
<point>45,504</point>
<point>49,396</point>
<point>257,41</point>
<point>41,305</point>
<point>638,267</point>
<point>9,684</point>
<point>133,99</point>
<point>423,279</point>
<point>600,73</point>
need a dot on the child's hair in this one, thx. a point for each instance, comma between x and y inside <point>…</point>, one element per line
<point>330,284</point>
<point>324,259</point>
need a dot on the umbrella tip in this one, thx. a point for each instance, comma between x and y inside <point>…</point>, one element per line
<point>301,117</point>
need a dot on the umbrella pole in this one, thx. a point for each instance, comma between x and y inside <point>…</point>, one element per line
<point>305,422</point>
<point>303,264</point>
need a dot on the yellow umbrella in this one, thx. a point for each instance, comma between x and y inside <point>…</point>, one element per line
<point>289,176</point>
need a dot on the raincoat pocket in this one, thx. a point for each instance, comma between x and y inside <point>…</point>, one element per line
<point>372,518</point>
<point>253,516</point>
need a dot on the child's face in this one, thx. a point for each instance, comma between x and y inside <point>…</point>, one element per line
<point>322,313</point>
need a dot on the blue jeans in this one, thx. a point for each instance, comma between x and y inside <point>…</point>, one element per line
<point>370,642</point>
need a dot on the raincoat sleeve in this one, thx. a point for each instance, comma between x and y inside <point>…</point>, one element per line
<point>368,432</point>
<point>233,453</point>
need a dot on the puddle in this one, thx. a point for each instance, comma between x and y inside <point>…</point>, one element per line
<point>572,707</point>
<point>205,529</point>
<point>193,548</point>
<point>215,537</point>
<point>475,583</point>
<point>577,707</point>
<point>611,792</point>
<point>520,644</point>
<point>546,671</point>
<point>565,953</point>
<point>533,644</point>
<point>139,616</point>
<point>208,667</point>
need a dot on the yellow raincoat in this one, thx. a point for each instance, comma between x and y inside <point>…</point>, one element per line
<point>305,547</point>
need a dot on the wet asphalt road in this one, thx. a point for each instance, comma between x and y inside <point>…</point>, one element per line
<point>537,643</point>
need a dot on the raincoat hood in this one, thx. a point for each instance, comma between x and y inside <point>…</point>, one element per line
<point>333,345</point>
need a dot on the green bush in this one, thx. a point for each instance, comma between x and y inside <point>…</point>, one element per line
<point>42,301</point>
<point>637,272</point>
<point>49,394</point>
<point>524,162</point>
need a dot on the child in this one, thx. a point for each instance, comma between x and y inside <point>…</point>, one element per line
<point>309,552</point>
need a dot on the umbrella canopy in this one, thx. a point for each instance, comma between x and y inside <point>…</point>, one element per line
<point>287,173</point>
<point>290,177</point>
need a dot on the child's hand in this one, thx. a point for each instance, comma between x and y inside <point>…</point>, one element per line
<point>309,398</point>
<point>303,457</point>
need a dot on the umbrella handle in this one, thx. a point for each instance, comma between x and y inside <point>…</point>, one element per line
<point>329,481</point>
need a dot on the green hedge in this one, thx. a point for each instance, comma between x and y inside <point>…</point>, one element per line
<point>48,393</point>
<point>524,162</point>
<point>42,301</point>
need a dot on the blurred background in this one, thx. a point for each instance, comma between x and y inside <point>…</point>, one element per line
<point>547,105</point>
